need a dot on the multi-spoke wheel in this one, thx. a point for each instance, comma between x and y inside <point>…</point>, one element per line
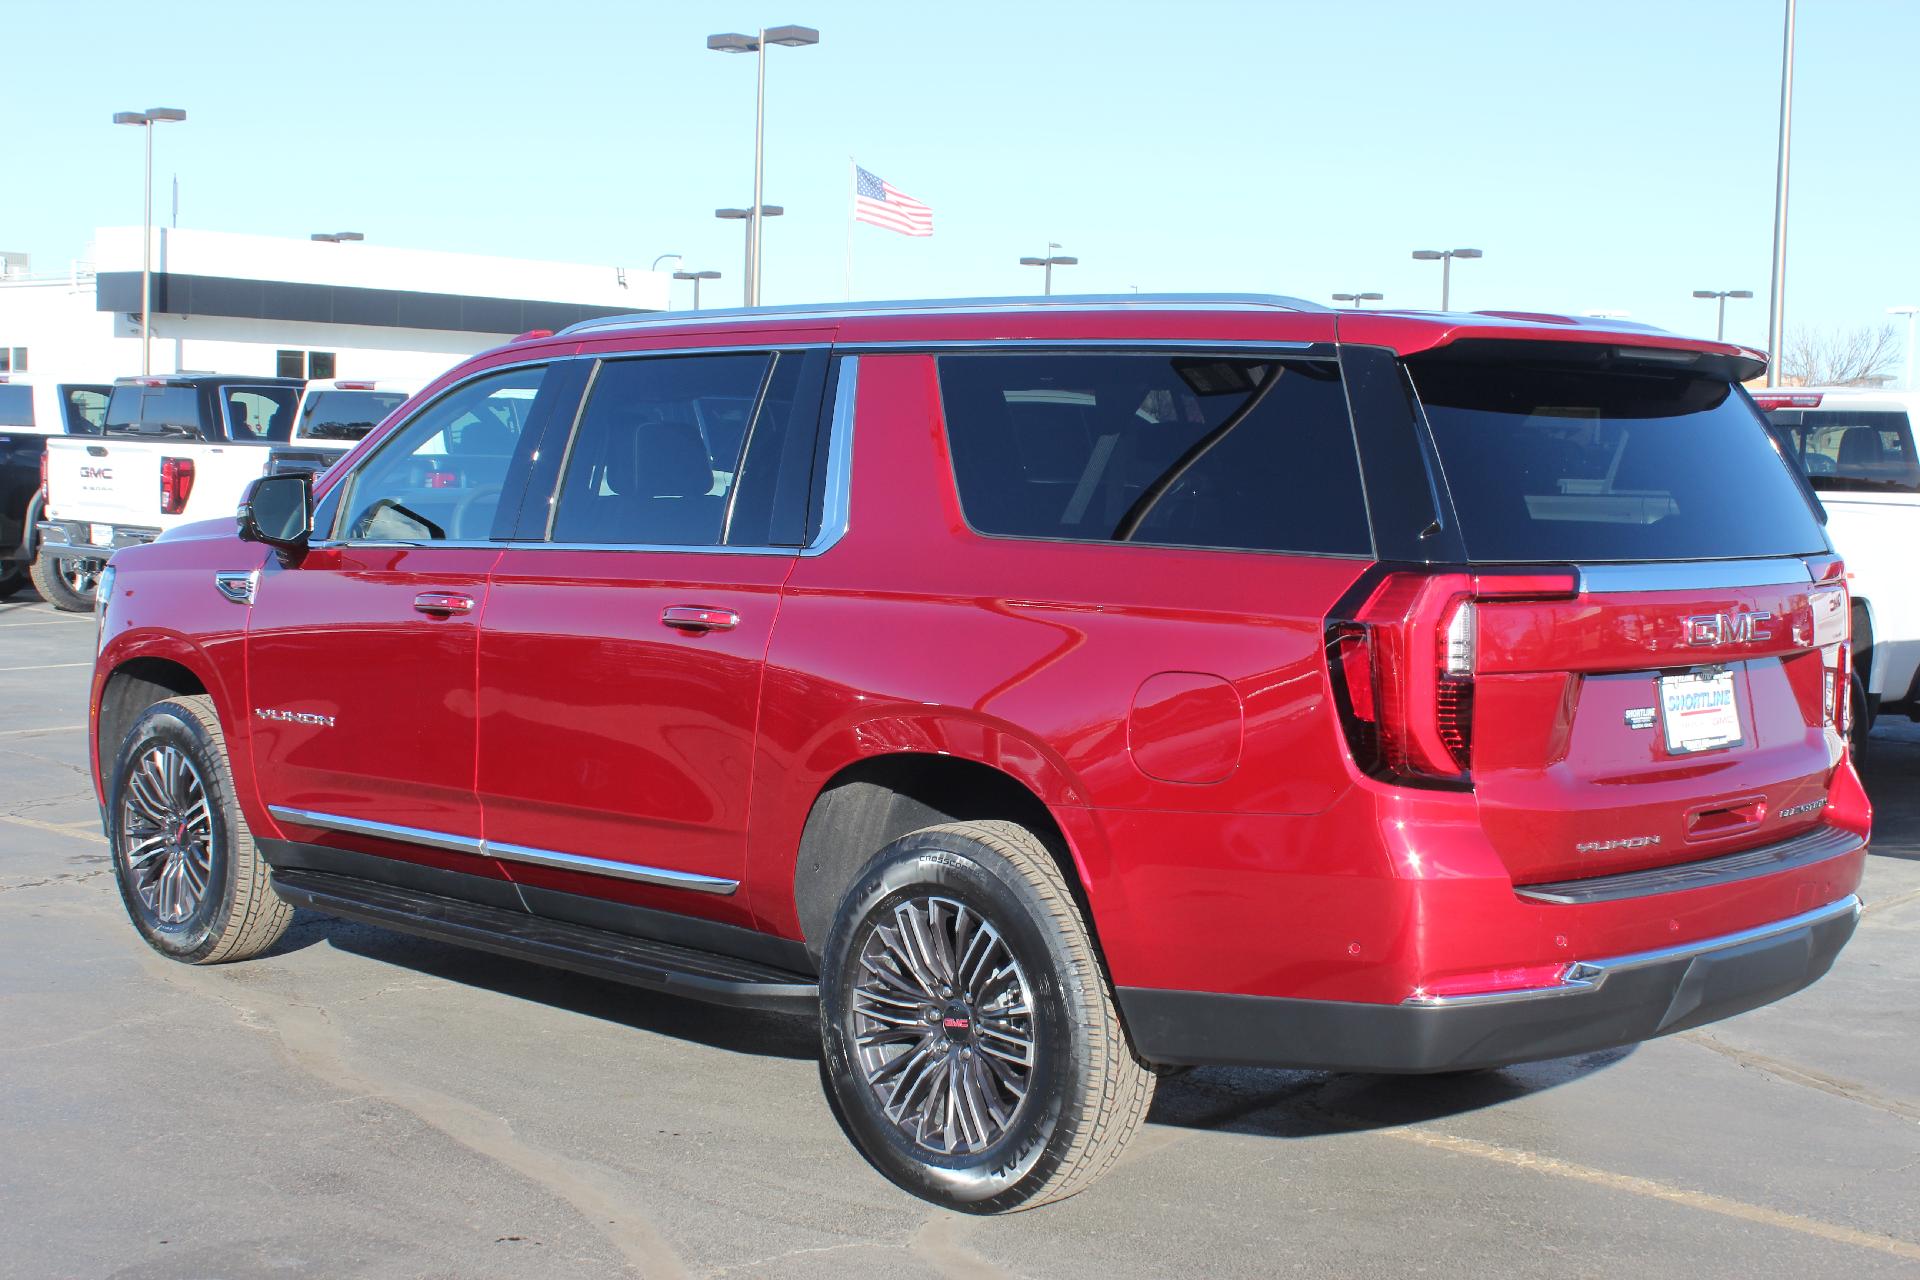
<point>943,1018</point>
<point>166,834</point>
<point>972,1048</point>
<point>186,865</point>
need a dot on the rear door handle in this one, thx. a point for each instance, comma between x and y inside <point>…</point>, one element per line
<point>442,604</point>
<point>688,617</point>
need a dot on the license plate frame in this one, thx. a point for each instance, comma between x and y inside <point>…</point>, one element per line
<point>1700,711</point>
<point>101,535</point>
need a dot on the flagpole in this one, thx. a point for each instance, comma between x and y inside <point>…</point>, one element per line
<point>853,190</point>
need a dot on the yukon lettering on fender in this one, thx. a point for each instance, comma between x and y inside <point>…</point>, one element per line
<point>294,717</point>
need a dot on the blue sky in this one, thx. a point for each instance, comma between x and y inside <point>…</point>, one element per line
<point>1605,156</point>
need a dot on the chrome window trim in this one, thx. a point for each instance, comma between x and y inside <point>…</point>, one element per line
<point>479,848</point>
<point>988,346</point>
<point>1588,975</point>
<point>1235,302</point>
<point>836,504</point>
<point>1693,575</point>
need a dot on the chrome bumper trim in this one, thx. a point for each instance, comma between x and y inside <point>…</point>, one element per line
<point>480,848</point>
<point>1588,975</point>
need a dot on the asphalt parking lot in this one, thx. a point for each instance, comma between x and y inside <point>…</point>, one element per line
<point>358,1103</point>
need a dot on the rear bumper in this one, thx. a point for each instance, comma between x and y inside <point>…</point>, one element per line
<point>1597,1004</point>
<point>73,539</point>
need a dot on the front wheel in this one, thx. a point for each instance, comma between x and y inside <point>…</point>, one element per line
<point>973,1052</point>
<point>67,584</point>
<point>193,883</point>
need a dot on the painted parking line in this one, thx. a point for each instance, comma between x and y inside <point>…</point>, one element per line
<point>28,733</point>
<point>1706,1201</point>
<point>46,666</point>
<point>93,838</point>
<point>77,622</point>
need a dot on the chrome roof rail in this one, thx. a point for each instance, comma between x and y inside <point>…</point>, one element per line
<point>951,306</point>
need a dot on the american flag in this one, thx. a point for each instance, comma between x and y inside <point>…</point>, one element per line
<point>878,202</point>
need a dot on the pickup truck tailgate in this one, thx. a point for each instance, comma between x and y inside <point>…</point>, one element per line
<point>105,480</point>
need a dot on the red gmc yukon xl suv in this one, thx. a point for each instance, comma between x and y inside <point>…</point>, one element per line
<point>1041,694</point>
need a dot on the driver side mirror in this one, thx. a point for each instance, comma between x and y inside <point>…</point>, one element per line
<point>277,510</point>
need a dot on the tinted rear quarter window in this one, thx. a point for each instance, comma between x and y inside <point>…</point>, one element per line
<point>1571,461</point>
<point>1219,451</point>
<point>16,406</point>
<point>260,413</point>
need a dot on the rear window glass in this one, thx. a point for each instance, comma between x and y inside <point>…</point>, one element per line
<point>16,406</point>
<point>1851,449</point>
<point>1195,450</point>
<point>260,413</point>
<point>345,415</point>
<point>174,410</point>
<point>1570,462</point>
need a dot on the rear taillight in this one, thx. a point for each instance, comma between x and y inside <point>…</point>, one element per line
<point>1403,661</point>
<point>176,485</point>
<point>1832,634</point>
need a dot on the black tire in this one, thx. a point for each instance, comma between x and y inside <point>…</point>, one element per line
<point>1862,717</point>
<point>236,915</point>
<point>12,578</point>
<point>1085,1094</point>
<point>67,585</point>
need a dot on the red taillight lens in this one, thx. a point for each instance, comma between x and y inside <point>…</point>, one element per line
<point>1403,665</point>
<point>176,485</point>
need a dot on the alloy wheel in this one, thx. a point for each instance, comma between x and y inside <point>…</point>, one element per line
<point>943,1025</point>
<point>81,576</point>
<point>166,834</point>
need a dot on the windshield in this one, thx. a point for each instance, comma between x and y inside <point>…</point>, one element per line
<point>345,415</point>
<point>162,410</point>
<point>1572,462</point>
<point>1851,449</point>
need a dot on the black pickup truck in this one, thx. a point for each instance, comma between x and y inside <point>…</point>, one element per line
<point>31,411</point>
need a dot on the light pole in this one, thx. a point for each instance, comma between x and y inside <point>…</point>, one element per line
<point>734,42</point>
<point>147,120</point>
<point>1720,333</point>
<point>337,237</point>
<point>749,295</point>
<point>1777,293</point>
<point>663,257</point>
<point>1909,313</point>
<point>1049,262</point>
<point>1445,258</point>
<point>696,277</point>
<point>1357,298</point>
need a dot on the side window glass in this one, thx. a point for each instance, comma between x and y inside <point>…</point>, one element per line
<point>439,476</point>
<point>86,409</point>
<point>657,453</point>
<point>1246,452</point>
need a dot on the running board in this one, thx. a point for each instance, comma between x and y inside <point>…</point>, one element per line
<point>658,966</point>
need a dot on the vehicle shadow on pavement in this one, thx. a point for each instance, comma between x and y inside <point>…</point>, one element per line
<point>1890,768</point>
<point>752,1031</point>
<point>1308,1104</point>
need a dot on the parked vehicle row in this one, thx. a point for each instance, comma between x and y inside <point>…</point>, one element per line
<point>1041,694</point>
<point>1856,448</point>
<point>179,447</point>
<point>32,408</point>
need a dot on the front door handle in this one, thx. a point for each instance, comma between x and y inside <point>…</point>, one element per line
<point>688,617</point>
<point>442,604</point>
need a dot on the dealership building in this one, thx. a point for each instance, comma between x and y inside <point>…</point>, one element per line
<point>228,303</point>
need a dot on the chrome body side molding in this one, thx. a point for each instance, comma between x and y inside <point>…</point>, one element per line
<point>479,848</point>
<point>1693,575</point>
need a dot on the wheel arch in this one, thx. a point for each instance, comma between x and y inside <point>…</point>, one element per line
<point>130,688</point>
<point>871,802</point>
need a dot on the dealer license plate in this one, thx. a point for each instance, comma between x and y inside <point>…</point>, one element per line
<point>101,534</point>
<point>1699,711</point>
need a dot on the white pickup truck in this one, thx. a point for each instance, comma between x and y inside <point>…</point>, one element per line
<point>173,449</point>
<point>1856,446</point>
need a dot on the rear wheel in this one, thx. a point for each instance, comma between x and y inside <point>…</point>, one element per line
<point>973,1050</point>
<point>193,883</point>
<point>67,584</point>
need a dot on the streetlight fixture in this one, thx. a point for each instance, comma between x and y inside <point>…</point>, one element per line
<point>1357,298</point>
<point>1049,262</point>
<point>663,257</point>
<point>1909,313</point>
<point>749,295</point>
<point>1445,258</point>
<point>1720,334</point>
<point>791,37</point>
<point>147,120</point>
<point>337,237</point>
<point>696,277</point>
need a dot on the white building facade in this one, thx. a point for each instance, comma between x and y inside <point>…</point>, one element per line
<point>227,303</point>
